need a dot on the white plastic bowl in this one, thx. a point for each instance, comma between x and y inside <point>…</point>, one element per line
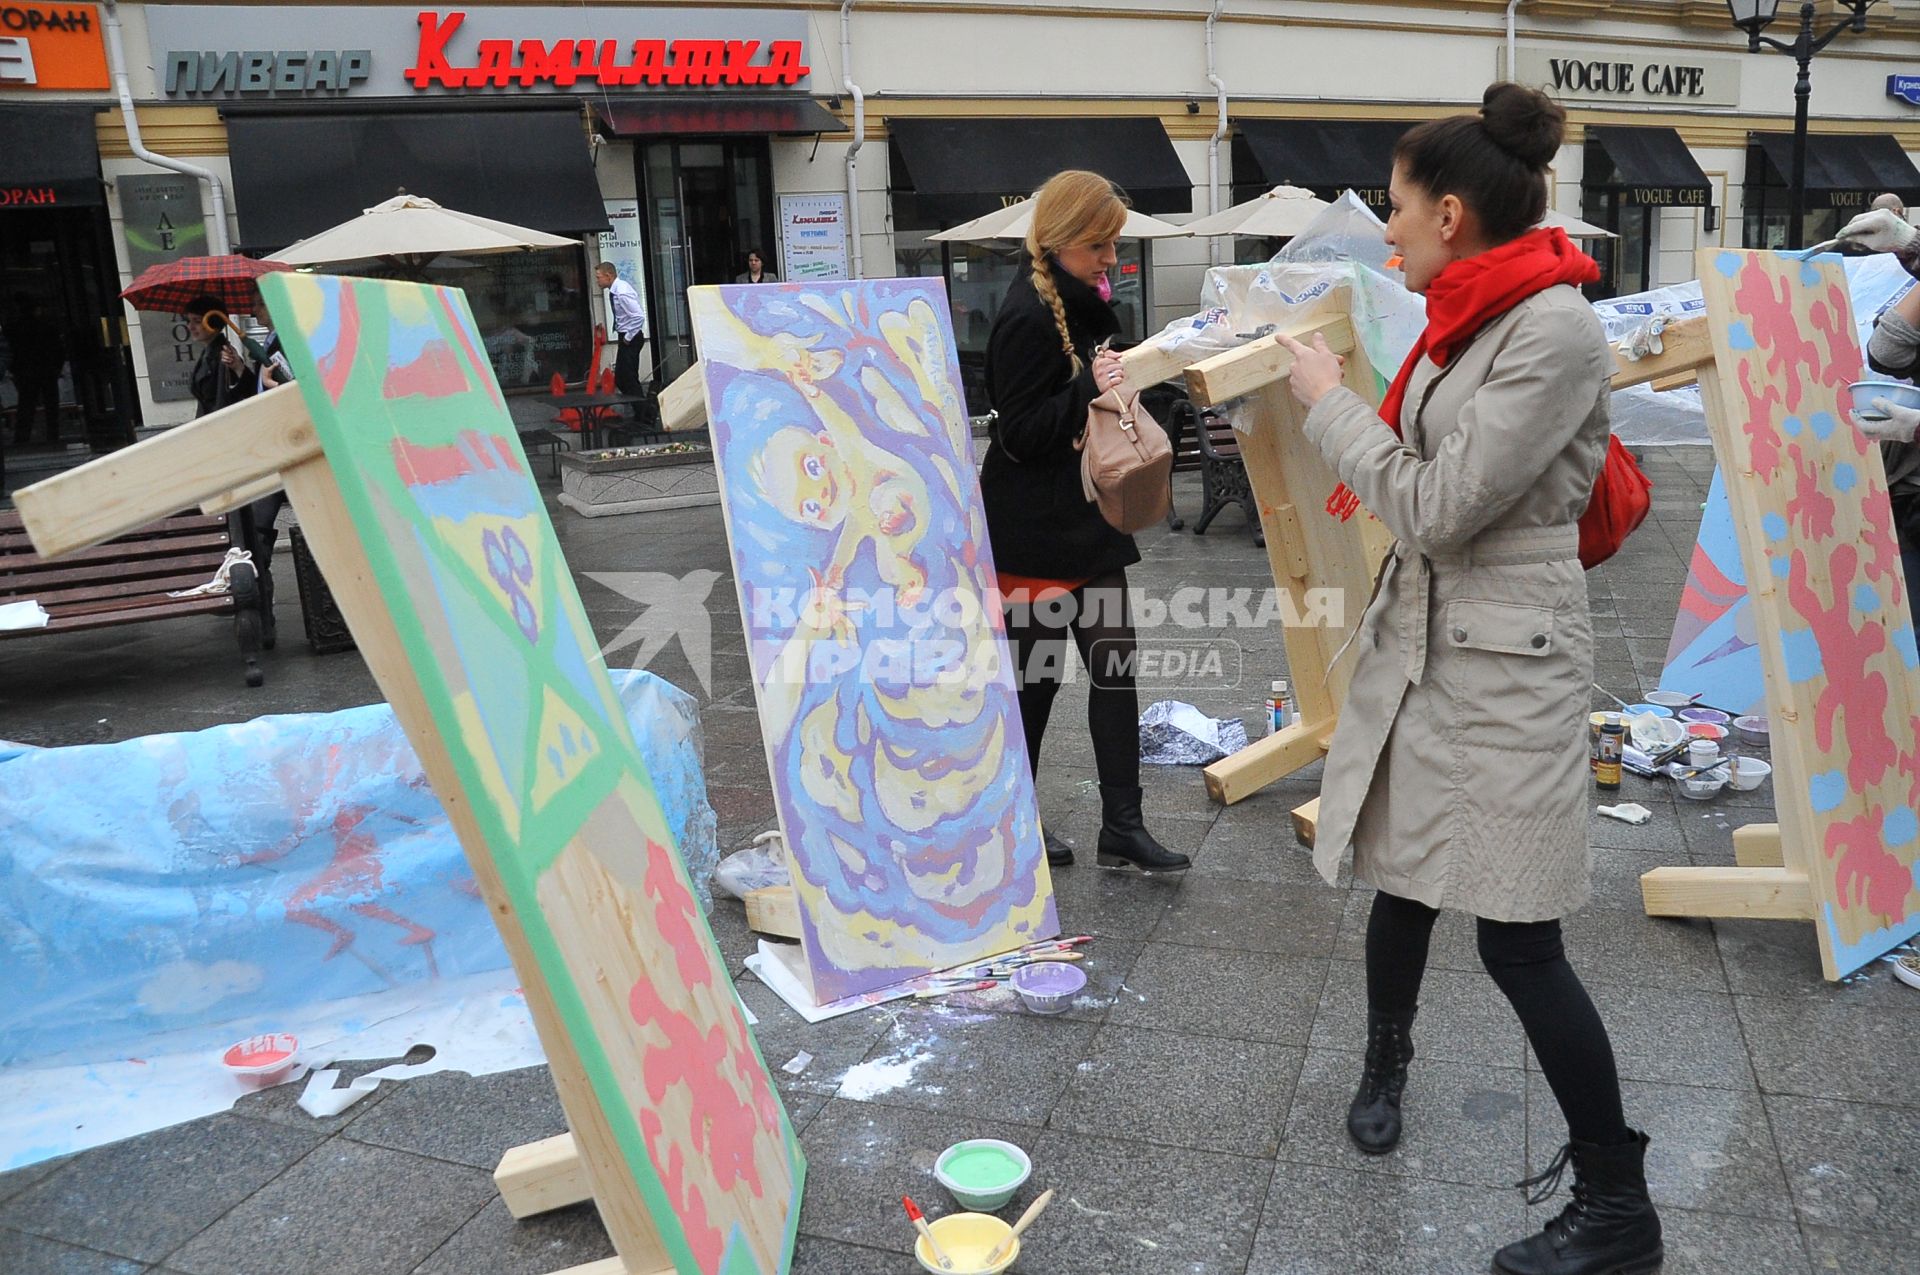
<point>1703,787</point>
<point>1748,773</point>
<point>1752,729</point>
<point>1899,393</point>
<point>1669,699</point>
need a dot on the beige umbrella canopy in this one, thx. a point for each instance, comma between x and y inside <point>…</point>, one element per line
<point>1575,228</point>
<point>1012,221</point>
<point>1282,212</point>
<point>410,231</point>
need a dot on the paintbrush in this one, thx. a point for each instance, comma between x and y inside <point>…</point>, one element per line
<point>928,993</point>
<point>920,1224</point>
<point>1691,774</point>
<point>1807,254</point>
<point>1610,695</point>
<point>1026,1219</point>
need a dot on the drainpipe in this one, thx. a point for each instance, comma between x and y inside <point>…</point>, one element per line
<point>1513,71</point>
<point>217,242</point>
<point>859,137</point>
<point>1219,130</point>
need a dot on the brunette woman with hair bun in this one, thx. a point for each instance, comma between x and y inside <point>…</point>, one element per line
<point>1458,774</point>
<point>1063,570</point>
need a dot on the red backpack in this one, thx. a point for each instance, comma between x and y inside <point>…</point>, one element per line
<point>1620,503</point>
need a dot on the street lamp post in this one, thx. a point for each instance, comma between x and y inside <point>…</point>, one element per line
<point>1753,16</point>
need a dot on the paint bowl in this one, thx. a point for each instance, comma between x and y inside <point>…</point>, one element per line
<point>1752,730</point>
<point>1669,699</point>
<point>1658,710</point>
<point>1748,773</point>
<point>259,1062</point>
<point>1898,393</point>
<point>1702,787</point>
<point>982,1173</point>
<point>1711,715</point>
<point>1656,734</point>
<point>1048,987</point>
<point>966,1239</point>
<point>1907,968</point>
<point>1706,730</point>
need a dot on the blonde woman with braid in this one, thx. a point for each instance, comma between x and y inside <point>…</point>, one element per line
<point>1063,570</point>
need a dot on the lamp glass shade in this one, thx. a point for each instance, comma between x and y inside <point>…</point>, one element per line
<point>1751,15</point>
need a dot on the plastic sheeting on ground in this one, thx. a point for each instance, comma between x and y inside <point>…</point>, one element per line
<point>190,879</point>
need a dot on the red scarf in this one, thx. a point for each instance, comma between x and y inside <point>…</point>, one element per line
<point>1474,291</point>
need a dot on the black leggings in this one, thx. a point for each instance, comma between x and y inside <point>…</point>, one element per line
<point>1096,615</point>
<point>1529,963</point>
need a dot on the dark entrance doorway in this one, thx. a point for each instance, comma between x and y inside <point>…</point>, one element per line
<point>708,202</point>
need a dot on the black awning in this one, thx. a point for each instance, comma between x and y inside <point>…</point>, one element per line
<point>946,171</point>
<point>1645,165</point>
<point>1844,170</point>
<point>712,113</point>
<point>295,175</point>
<point>1323,156</point>
<point>49,157</point>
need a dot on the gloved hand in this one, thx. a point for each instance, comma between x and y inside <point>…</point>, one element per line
<point>1900,425</point>
<point>1881,230</point>
<point>1644,340</point>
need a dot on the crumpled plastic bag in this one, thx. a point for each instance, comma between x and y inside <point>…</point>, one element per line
<point>1177,734</point>
<point>762,864</point>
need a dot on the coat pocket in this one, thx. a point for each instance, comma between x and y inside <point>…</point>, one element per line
<point>1506,627</point>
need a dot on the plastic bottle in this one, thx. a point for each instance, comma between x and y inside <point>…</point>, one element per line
<point>1613,739</point>
<point>1280,714</point>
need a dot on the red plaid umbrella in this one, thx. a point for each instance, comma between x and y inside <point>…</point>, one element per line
<point>171,285</point>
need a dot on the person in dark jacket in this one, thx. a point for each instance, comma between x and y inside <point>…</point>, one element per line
<point>1062,568</point>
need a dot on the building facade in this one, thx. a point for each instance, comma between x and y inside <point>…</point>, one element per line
<point>675,139</point>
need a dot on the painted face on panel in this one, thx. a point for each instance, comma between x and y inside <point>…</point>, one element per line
<point>800,474</point>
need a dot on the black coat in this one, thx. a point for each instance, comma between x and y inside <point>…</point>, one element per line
<point>1038,516</point>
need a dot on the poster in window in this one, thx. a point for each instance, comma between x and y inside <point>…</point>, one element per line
<point>622,247</point>
<point>162,221</point>
<point>813,237</point>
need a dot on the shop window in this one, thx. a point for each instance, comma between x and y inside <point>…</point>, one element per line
<point>1626,263</point>
<point>1251,250</point>
<point>1765,222</point>
<point>532,308</point>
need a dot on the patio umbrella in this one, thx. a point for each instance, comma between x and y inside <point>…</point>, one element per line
<point>1282,212</point>
<point>409,231</point>
<point>1575,228</point>
<point>1012,221</point>
<point>171,285</point>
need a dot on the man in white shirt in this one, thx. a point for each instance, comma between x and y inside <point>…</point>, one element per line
<point>628,324</point>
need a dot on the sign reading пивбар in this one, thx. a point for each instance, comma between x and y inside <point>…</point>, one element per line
<point>203,52</point>
<point>1904,87</point>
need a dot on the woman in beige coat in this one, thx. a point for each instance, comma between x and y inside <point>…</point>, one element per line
<point>1458,775</point>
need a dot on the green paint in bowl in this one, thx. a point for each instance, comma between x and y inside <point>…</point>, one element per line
<point>982,1173</point>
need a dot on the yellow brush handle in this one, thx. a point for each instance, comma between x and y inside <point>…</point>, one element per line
<point>1026,1220</point>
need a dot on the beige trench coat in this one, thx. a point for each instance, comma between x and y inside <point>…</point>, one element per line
<point>1458,775</point>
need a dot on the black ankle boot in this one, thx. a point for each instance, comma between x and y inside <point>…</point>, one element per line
<point>1610,1228</point>
<point>1373,1118</point>
<point>1059,850</point>
<point>1125,839</point>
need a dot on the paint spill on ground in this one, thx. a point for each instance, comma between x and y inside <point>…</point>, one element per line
<point>878,1076</point>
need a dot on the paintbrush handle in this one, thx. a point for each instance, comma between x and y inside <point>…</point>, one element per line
<point>1026,1220</point>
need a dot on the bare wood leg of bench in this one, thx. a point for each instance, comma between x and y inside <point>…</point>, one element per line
<point>542,1176</point>
<point>1758,846</point>
<point>1246,772</point>
<point>774,910</point>
<point>1306,822</point>
<point>1764,893</point>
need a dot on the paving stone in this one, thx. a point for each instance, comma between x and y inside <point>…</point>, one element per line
<point>1253,916</point>
<point>23,1254</point>
<point>1461,1123</point>
<point>1254,850</point>
<point>346,1207</point>
<point>472,1120</point>
<point>1842,1045</point>
<point>995,1066</point>
<point>1244,995</point>
<point>144,1197</point>
<point>493,1243</point>
<point>1203,1092</point>
<point>15,1181</point>
<point>1716,1244</point>
<point>1850,1165</point>
<point>836,1044</point>
<point>1711,1149</point>
<point>1114,902</point>
<point>1677,1037</point>
<point>815,1256</point>
<point>1617,946</point>
<point>1782,958</point>
<point>1463,1017</point>
<point>1319,1220</point>
<point>1836,1252</point>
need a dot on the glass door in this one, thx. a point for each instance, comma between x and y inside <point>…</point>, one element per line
<point>708,204</point>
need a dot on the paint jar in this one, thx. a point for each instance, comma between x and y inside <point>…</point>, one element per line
<point>262,1061</point>
<point>1703,752</point>
<point>1280,712</point>
<point>1613,741</point>
<point>1594,722</point>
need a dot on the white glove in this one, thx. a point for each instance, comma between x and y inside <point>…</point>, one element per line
<point>1644,340</point>
<point>1899,424</point>
<point>1881,230</point>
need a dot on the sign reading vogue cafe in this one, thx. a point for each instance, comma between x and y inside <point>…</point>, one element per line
<point>1570,74</point>
<point>405,50</point>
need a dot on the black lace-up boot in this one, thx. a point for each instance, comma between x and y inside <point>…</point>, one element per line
<point>1373,1118</point>
<point>1125,839</point>
<point>1059,850</point>
<point>1610,1228</point>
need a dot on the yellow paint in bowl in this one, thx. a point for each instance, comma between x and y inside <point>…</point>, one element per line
<point>966,1239</point>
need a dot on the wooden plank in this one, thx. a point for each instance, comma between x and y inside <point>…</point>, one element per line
<point>131,487</point>
<point>1760,893</point>
<point>1685,346</point>
<point>36,577</point>
<point>611,1266</point>
<point>542,1176</point>
<point>1678,381</point>
<point>774,910</point>
<point>228,501</point>
<point>683,404</point>
<point>1148,365</point>
<point>124,551</point>
<point>1240,775</point>
<point>1758,846</point>
<point>1260,363</point>
<point>222,604</point>
<point>334,540</point>
<point>1306,821</point>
